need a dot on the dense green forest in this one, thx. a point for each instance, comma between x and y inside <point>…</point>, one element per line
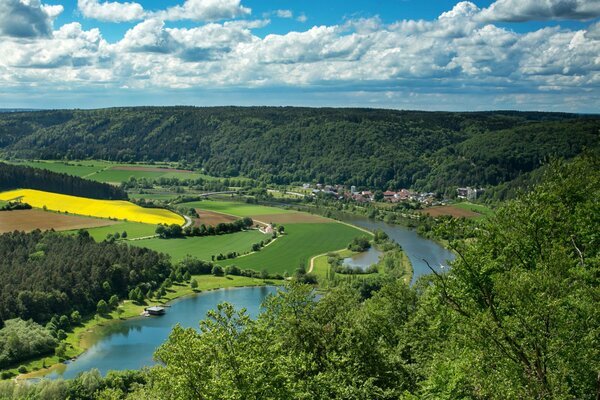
<point>50,274</point>
<point>364,147</point>
<point>515,317</point>
<point>22,177</point>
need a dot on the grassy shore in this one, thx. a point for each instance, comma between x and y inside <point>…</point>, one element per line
<point>78,340</point>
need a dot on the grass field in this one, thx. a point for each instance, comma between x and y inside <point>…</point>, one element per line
<point>234,208</point>
<point>28,220</point>
<point>478,208</point>
<point>204,247</point>
<point>451,210</point>
<point>123,210</point>
<point>301,242</point>
<point>133,229</point>
<point>105,171</point>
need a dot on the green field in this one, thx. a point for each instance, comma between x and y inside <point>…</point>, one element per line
<point>203,247</point>
<point>74,168</point>
<point>116,175</point>
<point>154,196</point>
<point>102,171</point>
<point>297,247</point>
<point>478,208</point>
<point>133,229</point>
<point>235,208</point>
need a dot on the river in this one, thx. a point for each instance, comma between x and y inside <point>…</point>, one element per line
<point>416,247</point>
<point>130,344</point>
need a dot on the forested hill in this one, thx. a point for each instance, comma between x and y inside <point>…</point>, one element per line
<point>21,177</point>
<point>365,147</point>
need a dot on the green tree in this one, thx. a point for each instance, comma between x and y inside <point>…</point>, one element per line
<point>194,284</point>
<point>102,307</point>
<point>113,302</point>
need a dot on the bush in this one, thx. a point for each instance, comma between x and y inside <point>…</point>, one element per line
<point>22,369</point>
<point>217,271</point>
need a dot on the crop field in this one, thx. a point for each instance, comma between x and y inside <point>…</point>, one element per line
<point>203,247</point>
<point>28,220</point>
<point>301,242</point>
<point>478,208</point>
<point>212,218</point>
<point>118,209</point>
<point>133,229</point>
<point>292,217</point>
<point>154,196</point>
<point>235,208</point>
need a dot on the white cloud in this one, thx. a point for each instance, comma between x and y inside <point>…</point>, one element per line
<point>27,18</point>
<point>302,18</point>
<point>454,53</point>
<point>205,10</point>
<point>111,11</point>
<point>540,10</point>
<point>284,13</point>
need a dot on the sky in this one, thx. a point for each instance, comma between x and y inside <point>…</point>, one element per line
<point>475,55</point>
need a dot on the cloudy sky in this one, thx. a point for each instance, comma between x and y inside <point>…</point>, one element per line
<point>406,54</point>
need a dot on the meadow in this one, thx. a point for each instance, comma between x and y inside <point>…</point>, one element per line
<point>203,247</point>
<point>118,209</point>
<point>133,229</point>
<point>300,243</point>
<point>109,172</point>
<point>235,208</point>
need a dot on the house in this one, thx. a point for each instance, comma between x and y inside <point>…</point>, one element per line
<point>468,193</point>
<point>389,195</point>
<point>155,310</point>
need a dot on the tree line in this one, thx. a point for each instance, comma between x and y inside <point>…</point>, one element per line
<point>383,149</point>
<point>23,177</point>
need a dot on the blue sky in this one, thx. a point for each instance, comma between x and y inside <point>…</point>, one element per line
<point>405,54</point>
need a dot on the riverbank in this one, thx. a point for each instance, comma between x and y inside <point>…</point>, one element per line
<point>82,337</point>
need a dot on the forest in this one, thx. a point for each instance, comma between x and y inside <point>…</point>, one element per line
<point>40,278</point>
<point>515,317</point>
<point>384,149</point>
<point>22,177</point>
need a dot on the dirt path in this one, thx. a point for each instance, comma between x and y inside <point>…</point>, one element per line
<point>312,260</point>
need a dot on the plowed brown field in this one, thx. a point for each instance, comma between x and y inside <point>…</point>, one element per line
<point>28,220</point>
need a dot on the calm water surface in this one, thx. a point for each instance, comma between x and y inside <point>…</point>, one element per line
<point>131,343</point>
<point>416,247</point>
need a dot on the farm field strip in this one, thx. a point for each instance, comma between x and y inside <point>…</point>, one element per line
<point>203,247</point>
<point>212,218</point>
<point>235,208</point>
<point>134,230</point>
<point>118,209</point>
<point>301,242</point>
<point>28,220</point>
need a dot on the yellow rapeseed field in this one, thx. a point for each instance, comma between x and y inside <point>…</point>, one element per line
<point>94,208</point>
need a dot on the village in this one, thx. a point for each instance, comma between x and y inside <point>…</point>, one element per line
<point>425,199</point>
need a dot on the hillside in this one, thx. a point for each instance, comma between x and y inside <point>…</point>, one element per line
<point>363,147</point>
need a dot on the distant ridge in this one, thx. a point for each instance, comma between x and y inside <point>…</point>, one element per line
<point>368,148</point>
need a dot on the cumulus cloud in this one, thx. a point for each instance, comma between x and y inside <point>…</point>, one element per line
<point>27,18</point>
<point>540,10</point>
<point>454,53</point>
<point>111,11</point>
<point>205,10</point>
